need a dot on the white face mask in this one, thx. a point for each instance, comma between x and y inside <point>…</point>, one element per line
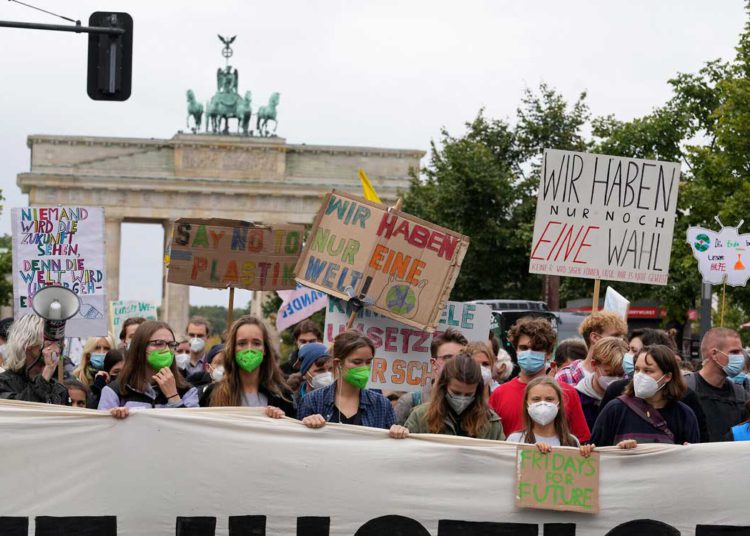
<point>183,360</point>
<point>606,381</point>
<point>645,386</point>
<point>486,375</point>
<point>197,345</point>
<point>543,412</point>
<point>324,379</point>
<point>217,374</point>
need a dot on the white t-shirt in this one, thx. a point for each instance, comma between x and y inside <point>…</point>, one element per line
<point>552,441</point>
<point>254,400</point>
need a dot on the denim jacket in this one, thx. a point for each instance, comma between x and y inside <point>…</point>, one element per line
<point>375,410</point>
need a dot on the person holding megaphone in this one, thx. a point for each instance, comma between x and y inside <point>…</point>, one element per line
<point>149,378</point>
<point>31,363</point>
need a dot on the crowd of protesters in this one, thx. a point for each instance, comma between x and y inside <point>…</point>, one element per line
<point>609,388</point>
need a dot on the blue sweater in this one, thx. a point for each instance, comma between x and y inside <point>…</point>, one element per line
<point>617,422</point>
<point>375,410</point>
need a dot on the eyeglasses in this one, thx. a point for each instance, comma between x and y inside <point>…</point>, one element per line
<point>160,343</point>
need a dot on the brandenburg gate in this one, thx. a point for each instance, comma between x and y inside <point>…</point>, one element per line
<point>252,178</point>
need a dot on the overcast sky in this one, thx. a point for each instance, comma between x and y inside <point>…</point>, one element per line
<point>365,72</point>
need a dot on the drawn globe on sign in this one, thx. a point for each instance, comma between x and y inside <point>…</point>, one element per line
<point>702,242</point>
<point>401,299</point>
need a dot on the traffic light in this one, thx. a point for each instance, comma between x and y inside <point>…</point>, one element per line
<point>110,60</point>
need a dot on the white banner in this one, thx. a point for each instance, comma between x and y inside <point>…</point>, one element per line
<point>298,304</point>
<point>278,478</point>
<point>61,246</point>
<point>402,353</point>
<point>605,217</point>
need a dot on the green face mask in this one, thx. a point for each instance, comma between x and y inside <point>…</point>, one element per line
<point>358,376</point>
<point>158,359</point>
<point>249,360</point>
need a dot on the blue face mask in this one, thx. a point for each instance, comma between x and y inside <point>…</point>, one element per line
<point>627,364</point>
<point>740,378</point>
<point>531,361</point>
<point>97,360</point>
<point>735,364</point>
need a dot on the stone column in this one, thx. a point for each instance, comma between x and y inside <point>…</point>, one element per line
<point>112,235</point>
<point>175,299</point>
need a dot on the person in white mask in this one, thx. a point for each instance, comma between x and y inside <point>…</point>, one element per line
<point>198,331</point>
<point>607,360</point>
<point>182,354</point>
<point>457,404</point>
<point>316,368</point>
<point>650,410</point>
<point>544,421</point>
<point>482,354</point>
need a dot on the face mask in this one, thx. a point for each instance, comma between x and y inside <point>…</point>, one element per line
<point>740,378</point>
<point>627,364</point>
<point>158,359</point>
<point>645,386</point>
<point>531,361</point>
<point>97,360</point>
<point>459,403</point>
<point>217,374</point>
<point>197,345</point>
<point>324,379</point>
<point>249,359</point>
<point>606,381</point>
<point>486,375</point>
<point>543,412</point>
<point>183,360</point>
<point>358,376</point>
<point>735,363</point>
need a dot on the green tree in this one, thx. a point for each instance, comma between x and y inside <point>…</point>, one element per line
<point>6,268</point>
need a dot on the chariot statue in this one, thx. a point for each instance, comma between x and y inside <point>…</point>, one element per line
<point>227,103</point>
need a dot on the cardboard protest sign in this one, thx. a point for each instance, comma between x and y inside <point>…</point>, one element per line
<point>121,310</point>
<point>298,304</point>
<point>218,253</point>
<point>605,217</point>
<point>722,256</point>
<point>61,246</point>
<point>562,480</point>
<point>397,265</point>
<point>402,353</point>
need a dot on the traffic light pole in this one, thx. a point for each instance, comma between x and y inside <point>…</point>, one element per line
<point>61,27</point>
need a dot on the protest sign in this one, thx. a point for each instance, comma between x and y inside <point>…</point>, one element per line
<point>218,253</point>
<point>298,304</point>
<point>121,310</point>
<point>617,303</point>
<point>722,256</point>
<point>397,265</point>
<point>431,485</point>
<point>605,217</point>
<point>402,353</point>
<point>61,246</point>
<point>560,480</point>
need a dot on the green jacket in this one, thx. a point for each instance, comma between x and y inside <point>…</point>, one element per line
<point>417,424</point>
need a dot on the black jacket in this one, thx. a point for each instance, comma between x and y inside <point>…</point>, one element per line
<point>14,386</point>
<point>284,404</point>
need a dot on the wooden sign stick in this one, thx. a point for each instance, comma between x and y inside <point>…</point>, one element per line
<point>353,316</point>
<point>230,309</point>
<point>595,303</point>
<point>723,300</point>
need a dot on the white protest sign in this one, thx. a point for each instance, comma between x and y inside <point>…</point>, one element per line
<point>402,353</point>
<point>121,310</point>
<point>721,255</point>
<point>617,303</point>
<point>61,246</point>
<point>431,485</point>
<point>605,217</point>
<point>298,304</point>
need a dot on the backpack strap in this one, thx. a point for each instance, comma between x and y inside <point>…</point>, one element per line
<point>651,415</point>
<point>740,395</point>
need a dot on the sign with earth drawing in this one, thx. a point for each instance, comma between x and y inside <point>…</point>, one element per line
<point>395,264</point>
<point>722,256</point>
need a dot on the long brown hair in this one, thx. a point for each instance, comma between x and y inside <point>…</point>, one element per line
<point>228,391</point>
<point>136,371</point>
<point>475,417</point>
<point>561,421</point>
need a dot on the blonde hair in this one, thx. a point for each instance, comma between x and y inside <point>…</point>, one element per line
<point>481,347</point>
<point>599,322</point>
<point>609,351</point>
<point>25,332</point>
<point>80,373</point>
